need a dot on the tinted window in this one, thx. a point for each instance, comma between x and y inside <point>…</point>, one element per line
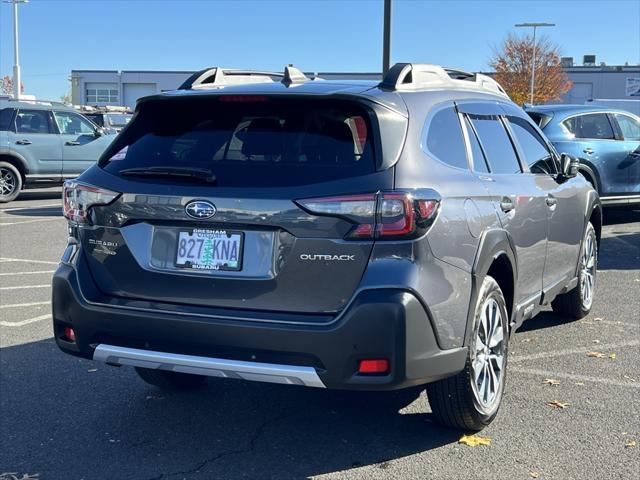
<point>479,162</point>
<point>73,124</point>
<point>33,121</point>
<point>593,126</point>
<point>541,119</point>
<point>445,140</point>
<point>629,126</point>
<point>261,142</point>
<point>6,114</point>
<point>535,151</point>
<point>496,144</point>
<point>96,118</point>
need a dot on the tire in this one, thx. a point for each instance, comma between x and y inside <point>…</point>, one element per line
<point>167,380</point>
<point>461,401</point>
<point>10,182</point>
<point>577,303</point>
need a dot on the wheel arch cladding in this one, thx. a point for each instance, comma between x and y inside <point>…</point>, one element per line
<point>596,220</point>
<point>16,162</point>
<point>495,257</point>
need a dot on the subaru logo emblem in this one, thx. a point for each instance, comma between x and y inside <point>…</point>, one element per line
<point>200,209</point>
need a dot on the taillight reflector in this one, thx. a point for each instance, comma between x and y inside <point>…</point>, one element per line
<point>379,365</point>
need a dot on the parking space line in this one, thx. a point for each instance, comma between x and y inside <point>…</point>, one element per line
<point>13,209</point>
<point>5,259</point>
<point>30,304</point>
<point>21,287</point>
<point>572,351</point>
<point>571,376</point>
<point>26,273</point>
<point>30,221</point>
<point>25,322</point>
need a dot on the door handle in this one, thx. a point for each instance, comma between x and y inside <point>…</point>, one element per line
<point>551,201</point>
<point>72,144</point>
<point>588,150</point>
<point>24,142</point>
<point>506,204</point>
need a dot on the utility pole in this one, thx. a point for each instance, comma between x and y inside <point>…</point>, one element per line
<point>17,81</point>
<point>386,38</point>
<point>535,25</point>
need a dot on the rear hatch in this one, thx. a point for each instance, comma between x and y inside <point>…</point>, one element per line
<point>216,196</point>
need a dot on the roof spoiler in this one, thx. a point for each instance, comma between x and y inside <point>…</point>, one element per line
<point>418,76</point>
<point>216,77</point>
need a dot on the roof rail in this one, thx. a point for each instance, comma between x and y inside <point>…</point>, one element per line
<point>419,76</point>
<point>216,77</point>
<point>37,101</point>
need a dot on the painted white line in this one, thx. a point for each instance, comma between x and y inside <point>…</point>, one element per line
<point>36,272</point>
<point>572,351</point>
<point>13,209</point>
<point>30,304</point>
<point>45,262</point>
<point>25,322</point>
<point>22,287</point>
<point>571,376</point>
<point>30,221</point>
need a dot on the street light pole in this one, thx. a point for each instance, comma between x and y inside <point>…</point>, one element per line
<point>17,82</point>
<point>386,38</point>
<point>535,25</point>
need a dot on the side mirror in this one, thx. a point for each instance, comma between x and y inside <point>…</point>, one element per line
<point>99,132</point>
<point>568,165</point>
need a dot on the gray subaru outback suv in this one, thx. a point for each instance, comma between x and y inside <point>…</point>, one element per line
<point>341,235</point>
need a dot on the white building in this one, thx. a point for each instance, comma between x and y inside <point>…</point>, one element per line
<point>112,87</point>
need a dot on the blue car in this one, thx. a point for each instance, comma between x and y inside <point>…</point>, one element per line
<point>607,142</point>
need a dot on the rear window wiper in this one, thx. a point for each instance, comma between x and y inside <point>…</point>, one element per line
<point>186,173</point>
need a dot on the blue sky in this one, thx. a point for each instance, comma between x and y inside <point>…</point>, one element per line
<point>316,35</point>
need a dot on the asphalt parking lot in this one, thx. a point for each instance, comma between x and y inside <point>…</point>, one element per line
<point>67,418</point>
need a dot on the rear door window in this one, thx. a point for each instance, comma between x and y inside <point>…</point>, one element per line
<point>535,151</point>
<point>496,144</point>
<point>444,138</point>
<point>33,121</point>
<point>594,126</point>
<point>258,141</point>
<point>6,115</point>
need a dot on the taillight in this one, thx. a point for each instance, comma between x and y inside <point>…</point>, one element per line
<point>78,198</point>
<point>382,215</point>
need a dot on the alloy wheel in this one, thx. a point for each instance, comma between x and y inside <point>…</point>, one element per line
<point>8,182</point>
<point>588,270</point>
<point>488,356</point>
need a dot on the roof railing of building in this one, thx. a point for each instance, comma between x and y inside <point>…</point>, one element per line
<point>216,77</point>
<point>422,76</point>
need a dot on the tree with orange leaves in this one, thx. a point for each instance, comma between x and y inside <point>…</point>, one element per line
<point>512,65</point>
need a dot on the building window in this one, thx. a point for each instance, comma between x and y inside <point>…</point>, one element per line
<point>101,96</point>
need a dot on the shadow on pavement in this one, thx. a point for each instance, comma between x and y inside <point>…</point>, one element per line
<point>620,251</point>
<point>38,195</point>
<point>612,216</point>
<point>62,420</point>
<point>35,211</point>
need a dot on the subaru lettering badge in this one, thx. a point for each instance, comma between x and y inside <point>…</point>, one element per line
<point>200,209</point>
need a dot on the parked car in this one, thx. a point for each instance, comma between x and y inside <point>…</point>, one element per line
<point>111,122</point>
<point>607,142</point>
<point>341,235</point>
<point>42,144</point>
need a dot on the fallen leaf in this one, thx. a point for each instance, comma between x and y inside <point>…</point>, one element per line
<point>631,444</point>
<point>595,354</point>
<point>597,319</point>
<point>579,383</point>
<point>474,441</point>
<point>596,341</point>
<point>526,340</point>
<point>612,356</point>
<point>630,378</point>
<point>558,404</point>
<point>551,381</point>
<point>91,370</point>
<point>534,474</point>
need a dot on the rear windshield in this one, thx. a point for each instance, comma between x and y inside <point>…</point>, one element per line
<point>249,141</point>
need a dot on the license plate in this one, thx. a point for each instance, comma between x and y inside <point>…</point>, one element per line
<point>202,249</point>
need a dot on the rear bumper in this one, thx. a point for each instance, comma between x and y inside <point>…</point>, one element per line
<point>384,323</point>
